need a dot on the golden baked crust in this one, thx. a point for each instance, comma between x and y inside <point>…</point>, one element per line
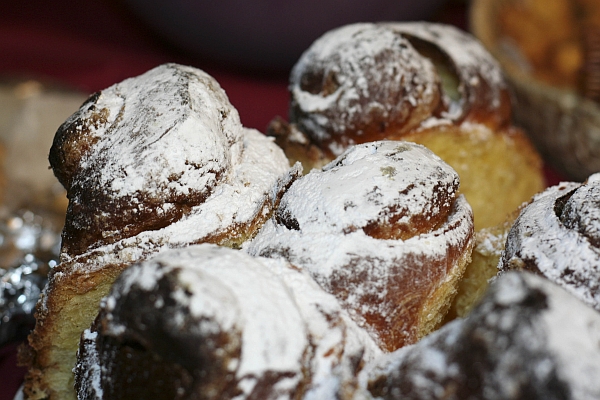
<point>499,170</point>
<point>488,248</point>
<point>69,301</point>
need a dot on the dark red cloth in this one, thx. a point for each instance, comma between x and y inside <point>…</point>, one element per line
<point>11,376</point>
<point>92,45</point>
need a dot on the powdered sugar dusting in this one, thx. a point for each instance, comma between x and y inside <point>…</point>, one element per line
<point>91,386</point>
<point>375,181</point>
<point>574,339</point>
<point>263,167</point>
<point>352,56</point>
<point>527,337</point>
<point>287,323</point>
<point>338,340</point>
<point>223,285</point>
<point>539,240</point>
<point>327,255</point>
<point>203,136</point>
<point>320,225</point>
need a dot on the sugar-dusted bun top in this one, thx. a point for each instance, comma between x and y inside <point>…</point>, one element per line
<point>149,151</point>
<point>380,227</point>
<point>367,81</point>
<point>123,131</point>
<point>362,78</point>
<point>557,235</point>
<point>388,189</point>
<point>204,290</point>
<point>236,326</point>
<point>527,338</point>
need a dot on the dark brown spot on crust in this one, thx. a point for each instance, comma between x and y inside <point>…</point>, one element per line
<point>319,82</point>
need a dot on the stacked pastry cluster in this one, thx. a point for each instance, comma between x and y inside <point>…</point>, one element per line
<point>535,333</point>
<point>369,249</point>
<point>220,272</point>
<point>426,83</point>
<point>222,323</point>
<point>155,162</point>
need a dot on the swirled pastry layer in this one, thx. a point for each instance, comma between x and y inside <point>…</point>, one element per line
<point>364,82</point>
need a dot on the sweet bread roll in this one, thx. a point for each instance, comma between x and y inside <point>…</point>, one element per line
<point>421,82</point>
<point>155,162</point>
<point>557,236</point>
<point>527,339</point>
<point>384,229</point>
<point>207,322</point>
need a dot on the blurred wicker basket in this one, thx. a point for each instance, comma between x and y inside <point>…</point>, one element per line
<point>564,126</point>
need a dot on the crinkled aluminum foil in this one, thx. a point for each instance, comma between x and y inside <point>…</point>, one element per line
<point>29,248</point>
